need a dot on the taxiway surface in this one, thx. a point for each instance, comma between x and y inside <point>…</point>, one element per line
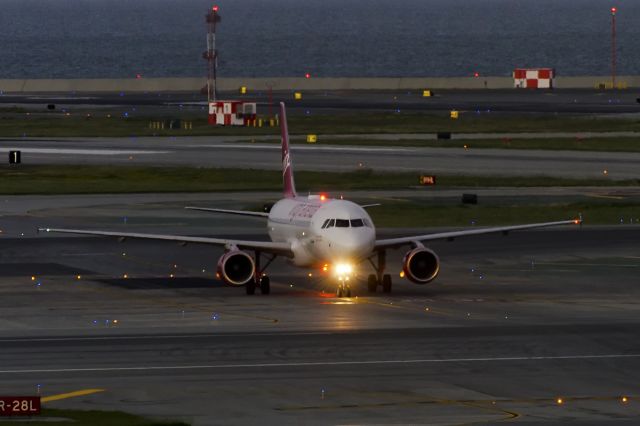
<point>511,325</point>
<point>511,100</point>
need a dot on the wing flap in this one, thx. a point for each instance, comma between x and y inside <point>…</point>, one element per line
<point>396,242</point>
<point>283,249</point>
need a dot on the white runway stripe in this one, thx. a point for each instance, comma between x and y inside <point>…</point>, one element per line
<point>322,364</point>
<point>276,147</point>
<point>67,151</point>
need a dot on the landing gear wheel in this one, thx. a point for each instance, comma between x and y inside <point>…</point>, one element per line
<point>347,292</point>
<point>386,283</point>
<point>265,285</point>
<point>372,283</point>
<point>339,292</point>
<point>250,287</point>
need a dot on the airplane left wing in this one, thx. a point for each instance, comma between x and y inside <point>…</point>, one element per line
<point>283,249</point>
<point>401,241</point>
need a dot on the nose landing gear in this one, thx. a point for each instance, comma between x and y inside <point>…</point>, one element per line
<point>344,290</point>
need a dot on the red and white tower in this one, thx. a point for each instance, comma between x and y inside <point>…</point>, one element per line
<point>211,55</point>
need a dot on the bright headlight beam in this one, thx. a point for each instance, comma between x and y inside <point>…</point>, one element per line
<point>343,269</point>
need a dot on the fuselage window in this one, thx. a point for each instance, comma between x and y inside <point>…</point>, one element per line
<point>326,222</point>
<point>332,223</point>
<point>357,223</point>
<point>342,223</point>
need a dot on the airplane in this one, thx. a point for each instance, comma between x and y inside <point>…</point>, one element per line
<point>317,231</point>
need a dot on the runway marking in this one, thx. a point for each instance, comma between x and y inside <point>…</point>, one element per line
<point>485,405</point>
<point>83,151</point>
<point>160,336</point>
<point>322,364</point>
<point>71,395</point>
<point>574,265</point>
<point>276,147</point>
<point>613,197</point>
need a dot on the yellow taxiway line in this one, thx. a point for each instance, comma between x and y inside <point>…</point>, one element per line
<point>71,394</point>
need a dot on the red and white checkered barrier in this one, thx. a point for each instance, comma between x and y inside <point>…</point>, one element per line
<point>232,113</point>
<point>533,78</point>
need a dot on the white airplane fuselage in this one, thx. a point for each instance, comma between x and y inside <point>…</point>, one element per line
<point>322,231</point>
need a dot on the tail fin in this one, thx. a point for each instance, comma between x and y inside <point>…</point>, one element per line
<point>287,169</point>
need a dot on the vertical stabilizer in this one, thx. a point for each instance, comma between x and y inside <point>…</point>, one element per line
<point>287,169</point>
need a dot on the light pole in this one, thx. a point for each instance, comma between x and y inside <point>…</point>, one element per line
<point>613,47</point>
<point>211,55</point>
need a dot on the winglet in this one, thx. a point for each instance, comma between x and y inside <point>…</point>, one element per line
<point>289,187</point>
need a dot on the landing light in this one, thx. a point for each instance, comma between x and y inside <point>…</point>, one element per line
<point>323,197</point>
<point>343,269</point>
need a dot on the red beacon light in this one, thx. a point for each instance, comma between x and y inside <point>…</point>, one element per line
<point>614,10</point>
<point>476,74</point>
<point>307,75</point>
<point>215,8</point>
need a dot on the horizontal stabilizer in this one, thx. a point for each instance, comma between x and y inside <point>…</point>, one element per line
<point>225,211</point>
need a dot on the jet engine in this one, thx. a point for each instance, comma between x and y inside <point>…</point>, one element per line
<point>421,265</point>
<point>236,268</point>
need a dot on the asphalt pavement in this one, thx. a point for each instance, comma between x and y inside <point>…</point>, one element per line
<point>513,325</point>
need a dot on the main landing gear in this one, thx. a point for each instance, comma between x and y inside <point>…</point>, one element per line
<point>264,283</point>
<point>344,290</point>
<point>260,280</point>
<point>380,278</point>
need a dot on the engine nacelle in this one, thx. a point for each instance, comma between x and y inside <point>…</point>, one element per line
<point>236,268</point>
<point>421,265</point>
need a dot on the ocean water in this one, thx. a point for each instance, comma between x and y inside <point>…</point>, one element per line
<point>327,38</point>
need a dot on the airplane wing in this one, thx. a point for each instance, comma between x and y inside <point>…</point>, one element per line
<point>238,212</point>
<point>397,242</point>
<point>283,249</point>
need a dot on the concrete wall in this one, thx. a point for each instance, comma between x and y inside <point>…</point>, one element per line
<point>290,84</point>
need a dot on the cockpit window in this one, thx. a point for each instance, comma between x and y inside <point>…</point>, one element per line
<point>342,223</point>
<point>357,223</point>
<point>332,223</point>
<point>325,224</point>
<point>367,223</point>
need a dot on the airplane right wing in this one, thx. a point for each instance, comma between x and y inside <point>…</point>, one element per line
<point>397,242</point>
<point>282,249</point>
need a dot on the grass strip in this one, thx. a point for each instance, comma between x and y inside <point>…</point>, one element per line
<point>89,418</point>
<point>78,123</point>
<point>33,179</point>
